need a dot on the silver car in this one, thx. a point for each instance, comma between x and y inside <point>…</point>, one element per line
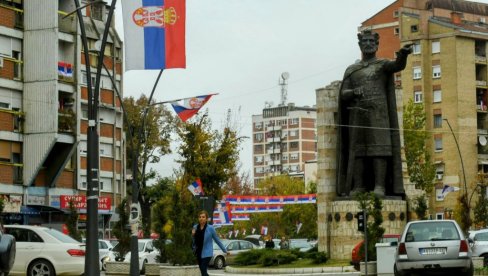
<point>436,246</point>
<point>234,247</point>
<point>479,244</point>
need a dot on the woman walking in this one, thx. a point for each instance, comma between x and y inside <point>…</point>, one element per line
<point>203,235</point>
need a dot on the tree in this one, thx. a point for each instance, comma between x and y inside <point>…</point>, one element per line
<point>72,222</point>
<point>150,140</point>
<point>481,207</point>
<point>420,168</point>
<point>373,206</point>
<point>207,154</point>
<point>159,212</point>
<point>120,230</point>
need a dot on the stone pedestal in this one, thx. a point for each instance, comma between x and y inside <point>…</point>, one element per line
<point>189,270</point>
<point>371,268</point>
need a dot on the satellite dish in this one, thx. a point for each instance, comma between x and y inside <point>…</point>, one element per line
<point>285,75</point>
<point>482,140</point>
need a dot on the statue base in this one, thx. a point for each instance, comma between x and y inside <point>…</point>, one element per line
<point>342,224</point>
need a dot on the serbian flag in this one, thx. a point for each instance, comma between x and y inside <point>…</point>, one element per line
<point>154,33</point>
<point>186,108</point>
<point>196,188</point>
<point>224,214</point>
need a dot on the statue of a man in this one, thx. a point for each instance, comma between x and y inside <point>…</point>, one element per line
<point>369,139</point>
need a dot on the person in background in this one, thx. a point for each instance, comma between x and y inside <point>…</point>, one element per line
<point>269,243</point>
<point>284,243</point>
<point>203,236</point>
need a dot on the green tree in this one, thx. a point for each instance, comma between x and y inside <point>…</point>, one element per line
<point>420,168</point>
<point>120,230</point>
<point>373,206</point>
<point>207,154</point>
<point>72,222</point>
<point>159,210</point>
<point>150,140</point>
<point>481,208</point>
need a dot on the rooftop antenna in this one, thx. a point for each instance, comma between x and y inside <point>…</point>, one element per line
<point>284,87</point>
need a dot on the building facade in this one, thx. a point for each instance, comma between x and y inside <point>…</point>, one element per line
<point>44,112</point>
<point>447,72</point>
<point>284,138</point>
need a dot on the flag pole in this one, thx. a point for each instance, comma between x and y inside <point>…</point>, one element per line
<point>135,207</point>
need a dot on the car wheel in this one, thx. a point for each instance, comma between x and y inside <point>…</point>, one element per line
<point>398,273</point>
<point>40,268</point>
<point>219,263</point>
<point>143,269</point>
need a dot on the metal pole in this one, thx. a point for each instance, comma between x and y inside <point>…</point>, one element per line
<point>92,265</point>
<point>366,241</point>
<point>460,156</point>
<point>134,248</point>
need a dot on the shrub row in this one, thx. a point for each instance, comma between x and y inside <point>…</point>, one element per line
<point>270,257</point>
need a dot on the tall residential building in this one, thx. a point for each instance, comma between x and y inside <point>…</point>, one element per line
<point>43,112</point>
<point>284,138</point>
<point>448,72</point>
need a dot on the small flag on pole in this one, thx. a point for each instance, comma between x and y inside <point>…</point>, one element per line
<point>196,188</point>
<point>447,189</point>
<point>154,33</point>
<point>224,213</point>
<point>190,106</point>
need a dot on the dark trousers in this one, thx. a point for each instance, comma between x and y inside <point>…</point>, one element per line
<point>203,265</point>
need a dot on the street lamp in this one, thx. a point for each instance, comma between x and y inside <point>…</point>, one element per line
<point>460,156</point>
<point>92,265</point>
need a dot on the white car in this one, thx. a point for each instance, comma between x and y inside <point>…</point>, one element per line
<point>479,244</point>
<point>147,254</point>
<point>104,247</point>
<point>45,251</point>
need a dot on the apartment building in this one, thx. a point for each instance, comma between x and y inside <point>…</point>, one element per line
<point>447,71</point>
<point>284,139</point>
<point>43,112</point>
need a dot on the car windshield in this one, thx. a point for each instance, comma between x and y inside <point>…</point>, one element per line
<point>60,236</point>
<point>224,242</point>
<point>432,231</point>
<point>300,244</point>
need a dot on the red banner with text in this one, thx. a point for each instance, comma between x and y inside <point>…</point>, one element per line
<point>79,201</point>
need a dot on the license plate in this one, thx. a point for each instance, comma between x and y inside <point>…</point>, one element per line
<point>433,251</point>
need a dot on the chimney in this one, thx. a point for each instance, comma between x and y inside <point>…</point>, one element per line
<point>456,17</point>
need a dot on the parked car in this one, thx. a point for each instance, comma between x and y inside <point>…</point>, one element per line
<point>45,251</point>
<point>356,258</point>
<point>433,246</point>
<point>257,240</point>
<point>479,244</point>
<point>104,247</point>
<point>301,244</point>
<point>234,247</point>
<point>147,254</point>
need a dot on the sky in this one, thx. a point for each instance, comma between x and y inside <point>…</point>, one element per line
<point>239,49</point>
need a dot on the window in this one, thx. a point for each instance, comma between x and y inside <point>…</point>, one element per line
<point>438,143</point>
<point>416,49</point>
<point>258,148</point>
<point>437,120</point>
<point>84,112</point>
<point>436,71</point>
<point>258,137</point>
<point>4,105</point>
<point>414,28</point>
<point>294,145</point>
<point>294,156</point>
<point>258,159</point>
<point>259,170</point>
<point>294,121</point>
<point>396,31</point>
<point>284,157</point>
<point>418,97</point>
<point>293,133</point>
<point>436,47</point>
<point>437,96</point>
<point>258,125</point>
<point>106,149</point>
<point>83,182</point>
<point>417,73</point>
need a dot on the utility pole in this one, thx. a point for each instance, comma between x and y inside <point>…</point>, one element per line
<point>92,265</point>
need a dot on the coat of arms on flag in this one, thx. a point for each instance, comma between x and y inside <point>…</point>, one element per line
<point>196,187</point>
<point>190,106</point>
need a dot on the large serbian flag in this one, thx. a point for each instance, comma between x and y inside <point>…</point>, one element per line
<point>154,32</point>
<point>186,108</point>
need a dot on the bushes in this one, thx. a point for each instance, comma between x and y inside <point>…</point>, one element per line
<point>266,257</point>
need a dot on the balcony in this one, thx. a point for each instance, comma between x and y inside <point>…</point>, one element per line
<point>66,120</point>
<point>480,83</point>
<point>273,139</point>
<point>273,150</point>
<point>67,24</point>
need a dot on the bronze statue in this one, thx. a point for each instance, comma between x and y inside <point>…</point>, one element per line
<point>369,139</point>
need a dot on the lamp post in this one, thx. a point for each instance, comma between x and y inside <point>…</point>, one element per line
<point>92,265</point>
<point>460,156</point>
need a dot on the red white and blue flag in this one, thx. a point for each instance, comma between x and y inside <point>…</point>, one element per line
<point>186,108</point>
<point>223,214</point>
<point>65,69</point>
<point>196,188</point>
<point>235,217</point>
<point>258,208</point>
<point>283,199</point>
<point>154,32</point>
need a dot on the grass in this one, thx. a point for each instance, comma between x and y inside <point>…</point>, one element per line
<point>301,263</point>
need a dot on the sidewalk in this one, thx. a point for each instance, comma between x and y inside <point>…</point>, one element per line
<point>307,271</point>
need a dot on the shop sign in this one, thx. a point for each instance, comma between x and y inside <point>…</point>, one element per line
<point>36,200</point>
<point>79,202</point>
<point>11,203</point>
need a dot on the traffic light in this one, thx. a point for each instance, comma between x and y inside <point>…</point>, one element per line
<point>361,221</point>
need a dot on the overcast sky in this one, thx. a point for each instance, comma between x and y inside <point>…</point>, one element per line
<point>239,48</point>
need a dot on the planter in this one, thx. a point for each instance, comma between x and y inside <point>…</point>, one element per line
<point>117,268</point>
<point>189,270</point>
<point>477,262</point>
<point>371,268</point>
<point>152,269</point>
